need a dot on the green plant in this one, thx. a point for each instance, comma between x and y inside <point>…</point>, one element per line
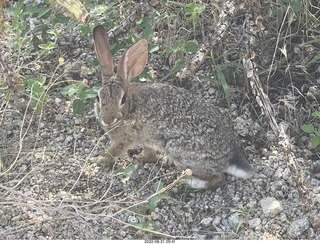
<point>315,141</point>
<point>82,92</point>
<point>141,210</point>
<point>179,50</point>
<point>219,69</point>
<point>316,40</point>
<point>3,168</point>
<point>242,211</point>
<point>125,174</point>
<point>158,186</point>
<point>192,12</point>
<point>36,87</point>
<point>295,9</point>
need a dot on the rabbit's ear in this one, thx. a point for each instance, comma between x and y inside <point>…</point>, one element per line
<point>103,50</point>
<point>133,61</point>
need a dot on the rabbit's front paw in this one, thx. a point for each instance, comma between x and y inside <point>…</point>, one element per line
<point>148,155</point>
<point>104,160</point>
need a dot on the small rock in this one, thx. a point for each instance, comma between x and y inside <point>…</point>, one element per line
<point>235,219</point>
<point>211,91</point>
<point>310,233</point>
<point>132,219</point>
<point>253,223</point>
<point>256,128</point>
<point>315,182</point>
<point>271,206</point>
<point>278,174</point>
<point>317,198</point>
<point>315,221</point>
<point>216,221</point>
<point>298,227</point>
<point>206,222</point>
<point>242,126</point>
<point>58,101</point>
<point>199,237</point>
<point>69,139</point>
<point>286,173</point>
<point>59,118</point>
<point>225,223</point>
<point>271,137</point>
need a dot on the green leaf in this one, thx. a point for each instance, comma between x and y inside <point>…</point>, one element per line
<point>315,141</point>
<point>129,170</point>
<point>310,42</point>
<point>78,106</point>
<point>147,33</point>
<point>313,60</point>
<point>41,29</point>
<point>155,200</point>
<point>192,47</point>
<point>69,90</point>
<point>153,48</point>
<point>307,128</point>
<point>178,66</point>
<point>158,186</point>
<point>86,93</point>
<point>223,82</point>
<point>48,46</point>
<point>145,74</point>
<point>60,19</point>
<point>145,22</point>
<point>316,114</point>
<point>44,12</point>
<point>125,179</point>
<point>30,10</point>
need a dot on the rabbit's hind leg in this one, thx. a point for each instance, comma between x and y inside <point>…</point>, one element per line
<point>212,183</point>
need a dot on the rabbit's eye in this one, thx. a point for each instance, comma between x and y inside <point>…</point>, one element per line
<point>123,99</point>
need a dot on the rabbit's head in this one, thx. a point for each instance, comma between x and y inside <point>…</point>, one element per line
<point>114,98</point>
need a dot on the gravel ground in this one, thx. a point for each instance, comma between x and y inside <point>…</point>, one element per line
<point>52,189</point>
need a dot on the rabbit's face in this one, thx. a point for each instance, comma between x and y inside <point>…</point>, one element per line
<point>112,105</point>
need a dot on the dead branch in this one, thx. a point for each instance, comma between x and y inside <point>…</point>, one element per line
<point>246,44</point>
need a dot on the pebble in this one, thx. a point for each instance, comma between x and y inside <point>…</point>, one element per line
<point>133,219</point>
<point>271,206</point>
<point>298,227</point>
<point>216,220</point>
<point>315,182</point>
<point>206,222</point>
<point>59,118</point>
<point>242,126</point>
<point>235,219</point>
<point>254,223</point>
<point>315,221</point>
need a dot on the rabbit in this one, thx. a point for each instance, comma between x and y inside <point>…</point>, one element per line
<point>192,133</point>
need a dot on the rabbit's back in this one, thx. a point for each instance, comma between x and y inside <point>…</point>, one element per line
<point>192,132</point>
